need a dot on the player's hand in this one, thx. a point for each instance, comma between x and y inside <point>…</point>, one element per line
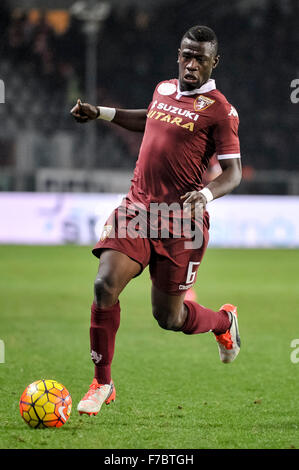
<point>194,203</point>
<point>84,112</point>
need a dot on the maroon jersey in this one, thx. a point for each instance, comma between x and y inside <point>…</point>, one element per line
<point>183,131</point>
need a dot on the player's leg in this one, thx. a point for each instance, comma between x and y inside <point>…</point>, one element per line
<point>173,312</point>
<point>122,257</point>
<point>173,270</point>
<point>115,271</point>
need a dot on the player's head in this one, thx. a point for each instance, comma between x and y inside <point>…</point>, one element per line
<point>198,56</point>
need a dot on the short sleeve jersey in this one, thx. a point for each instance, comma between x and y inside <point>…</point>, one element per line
<point>183,131</point>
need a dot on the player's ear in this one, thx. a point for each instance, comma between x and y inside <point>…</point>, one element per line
<point>216,61</point>
<point>179,52</point>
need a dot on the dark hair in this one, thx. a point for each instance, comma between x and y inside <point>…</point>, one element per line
<point>202,34</point>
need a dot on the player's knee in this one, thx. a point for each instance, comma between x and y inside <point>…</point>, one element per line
<point>166,319</point>
<point>105,292</point>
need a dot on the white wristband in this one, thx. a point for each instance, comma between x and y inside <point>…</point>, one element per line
<point>107,114</point>
<point>207,194</point>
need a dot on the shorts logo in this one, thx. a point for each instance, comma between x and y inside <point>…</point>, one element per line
<point>106,232</point>
<point>182,287</point>
<point>202,102</point>
<point>166,89</point>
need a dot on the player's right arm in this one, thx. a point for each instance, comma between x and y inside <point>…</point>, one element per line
<point>131,119</point>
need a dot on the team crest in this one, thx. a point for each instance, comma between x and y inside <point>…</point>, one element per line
<point>106,232</point>
<point>202,102</point>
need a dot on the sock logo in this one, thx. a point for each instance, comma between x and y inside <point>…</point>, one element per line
<point>96,357</point>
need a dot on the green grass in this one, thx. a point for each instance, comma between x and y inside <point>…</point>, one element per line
<point>172,390</point>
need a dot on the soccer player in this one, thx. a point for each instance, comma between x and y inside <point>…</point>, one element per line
<point>186,123</point>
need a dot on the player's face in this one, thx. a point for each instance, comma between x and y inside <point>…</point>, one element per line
<point>196,61</point>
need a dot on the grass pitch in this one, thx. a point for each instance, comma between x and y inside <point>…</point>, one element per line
<point>172,390</point>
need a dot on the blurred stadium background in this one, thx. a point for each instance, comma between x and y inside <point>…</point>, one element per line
<point>113,53</point>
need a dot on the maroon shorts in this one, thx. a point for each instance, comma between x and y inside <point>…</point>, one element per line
<point>172,261</point>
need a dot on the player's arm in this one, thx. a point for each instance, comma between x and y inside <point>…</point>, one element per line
<point>228,149</point>
<point>228,180</point>
<point>223,184</point>
<point>131,119</point>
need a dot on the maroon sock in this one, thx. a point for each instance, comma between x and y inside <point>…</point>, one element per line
<point>200,320</point>
<point>103,328</point>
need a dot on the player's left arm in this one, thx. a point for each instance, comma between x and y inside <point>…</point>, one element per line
<point>228,180</point>
<point>228,151</point>
<point>223,184</point>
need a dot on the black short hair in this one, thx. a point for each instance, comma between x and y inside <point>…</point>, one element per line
<point>202,34</point>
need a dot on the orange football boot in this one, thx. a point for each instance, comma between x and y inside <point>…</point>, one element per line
<point>97,394</point>
<point>229,343</point>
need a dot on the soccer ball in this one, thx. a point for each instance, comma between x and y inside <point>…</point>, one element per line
<point>45,403</point>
